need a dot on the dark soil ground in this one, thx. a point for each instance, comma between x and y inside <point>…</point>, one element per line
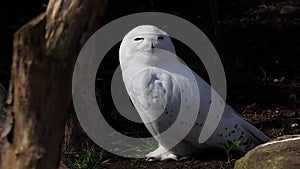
<point>259,45</point>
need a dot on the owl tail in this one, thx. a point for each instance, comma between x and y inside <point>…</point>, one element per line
<point>257,136</point>
<point>254,136</point>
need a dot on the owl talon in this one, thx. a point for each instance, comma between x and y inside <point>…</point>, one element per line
<point>161,154</point>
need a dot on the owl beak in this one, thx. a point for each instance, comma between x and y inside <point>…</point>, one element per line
<point>149,47</point>
<point>152,45</point>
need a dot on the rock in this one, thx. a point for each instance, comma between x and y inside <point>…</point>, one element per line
<point>285,10</point>
<point>281,153</point>
<point>275,80</point>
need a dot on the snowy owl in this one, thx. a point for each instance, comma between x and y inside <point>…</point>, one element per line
<point>165,92</point>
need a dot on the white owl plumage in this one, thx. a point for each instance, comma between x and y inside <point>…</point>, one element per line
<point>166,92</point>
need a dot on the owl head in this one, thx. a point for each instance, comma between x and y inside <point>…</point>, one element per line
<point>146,44</point>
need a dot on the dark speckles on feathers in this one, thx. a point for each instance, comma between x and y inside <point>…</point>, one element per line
<point>247,142</point>
<point>248,147</point>
<point>198,124</point>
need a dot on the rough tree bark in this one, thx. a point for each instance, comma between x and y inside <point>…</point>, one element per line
<point>6,119</point>
<point>45,51</point>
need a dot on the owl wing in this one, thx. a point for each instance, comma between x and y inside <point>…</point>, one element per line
<point>162,97</point>
<point>223,123</point>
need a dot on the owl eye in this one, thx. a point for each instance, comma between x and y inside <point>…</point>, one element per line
<point>138,39</point>
<point>160,38</point>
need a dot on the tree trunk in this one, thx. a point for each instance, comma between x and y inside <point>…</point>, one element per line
<point>45,51</point>
<point>5,118</point>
